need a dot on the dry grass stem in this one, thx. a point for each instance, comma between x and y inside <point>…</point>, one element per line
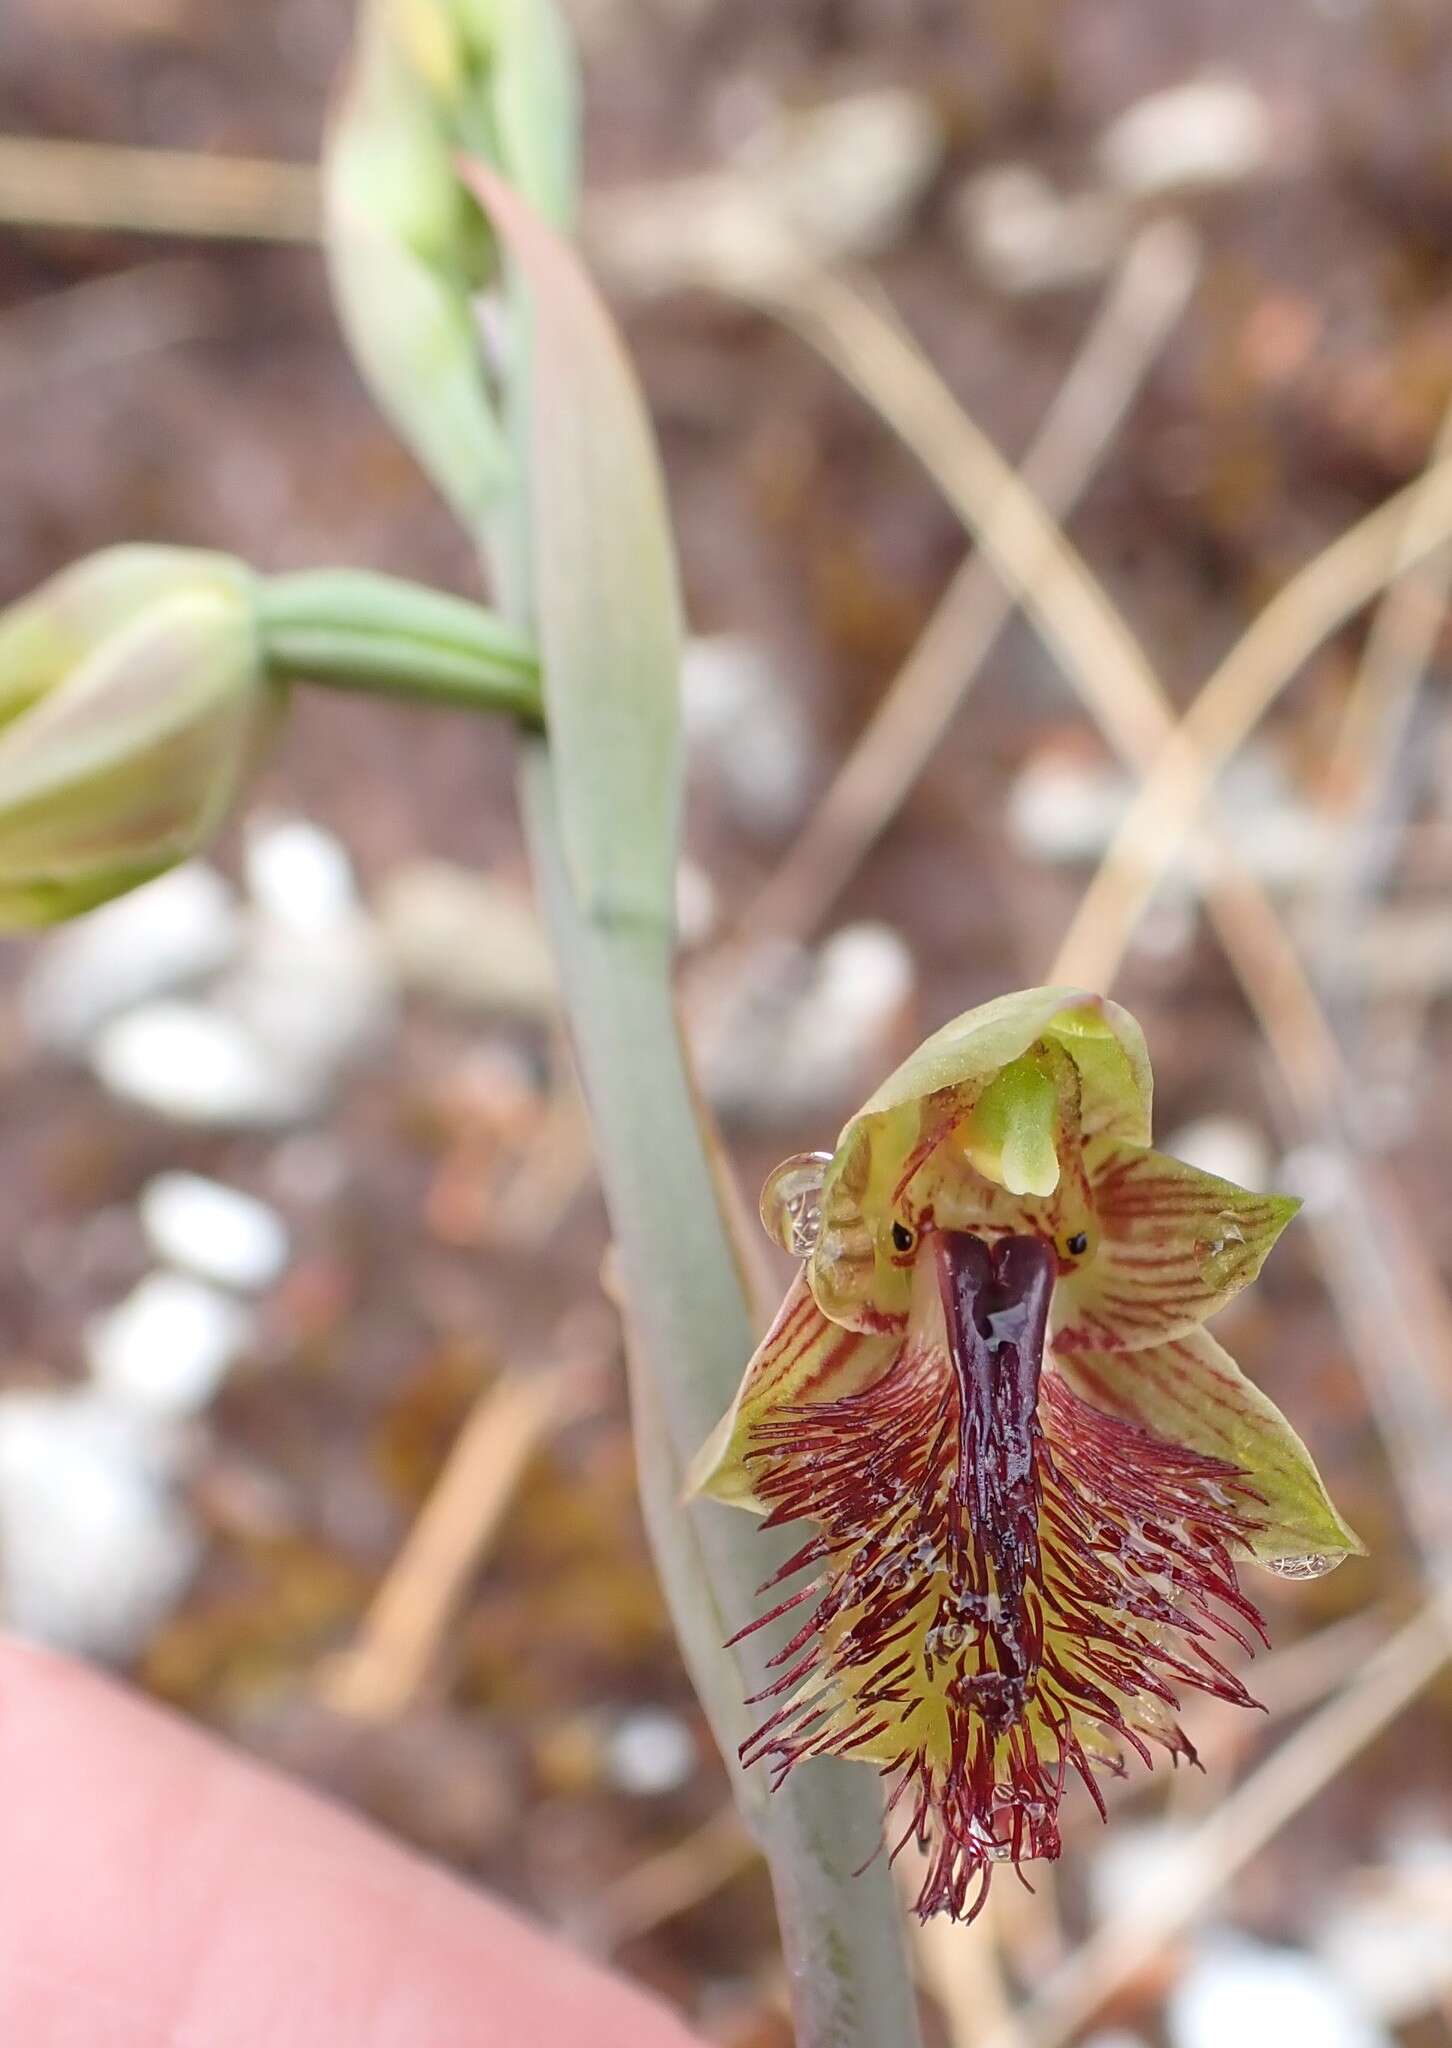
<point>97,187</point>
<point>382,1672</point>
<point>1074,616</point>
<point>105,320</point>
<point>1326,593</point>
<point>1139,311</point>
<point>1399,646</point>
<point>1236,1831</point>
<point>678,1879</point>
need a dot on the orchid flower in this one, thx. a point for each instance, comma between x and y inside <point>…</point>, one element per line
<point>1032,1472</point>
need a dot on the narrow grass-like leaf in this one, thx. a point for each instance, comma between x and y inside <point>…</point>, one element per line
<point>606,598</point>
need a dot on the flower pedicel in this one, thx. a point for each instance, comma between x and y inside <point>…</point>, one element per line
<point>1031,1472</point>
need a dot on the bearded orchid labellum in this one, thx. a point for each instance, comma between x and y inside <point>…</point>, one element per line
<point>1032,1473</point>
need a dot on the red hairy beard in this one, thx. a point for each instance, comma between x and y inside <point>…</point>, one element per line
<point>1008,1583</point>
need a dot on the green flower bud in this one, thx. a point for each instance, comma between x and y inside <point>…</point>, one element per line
<point>135,697</point>
<point>406,248</point>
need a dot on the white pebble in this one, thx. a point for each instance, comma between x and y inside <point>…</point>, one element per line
<point>95,1547</point>
<point>466,938</point>
<point>176,931</point>
<point>1387,1936</point>
<point>1261,1997</point>
<point>167,1348</point>
<point>741,717</point>
<point>1224,1145</point>
<point>1025,237</point>
<point>1318,1174</point>
<point>1063,807</point>
<point>192,1063</point>
<point>299,875</point>
<point>650,1752</point>
<point>214,1231</point>
<point>1209,131</point>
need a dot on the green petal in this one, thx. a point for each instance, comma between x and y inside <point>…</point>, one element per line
<point>802,1357</point>
<point>1103,1040</point>
<point>1192,1392</point>
<point>1170,1246</point>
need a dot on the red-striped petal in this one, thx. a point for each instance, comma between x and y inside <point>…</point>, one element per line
<point>1170,1246</point>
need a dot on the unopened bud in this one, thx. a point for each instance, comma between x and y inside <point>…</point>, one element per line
<point>136,697</point>
<point>407,251</point>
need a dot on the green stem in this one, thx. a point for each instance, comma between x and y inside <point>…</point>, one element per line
<point>353,630</point>
<point>690,1334</point>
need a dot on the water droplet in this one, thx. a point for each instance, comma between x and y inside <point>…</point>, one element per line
<point>791,1202</point>
<point>1219,1254</point>
<point>1309,1565</point>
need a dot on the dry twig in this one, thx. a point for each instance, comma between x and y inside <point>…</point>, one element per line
<point>97,186</point>
<point>1238,1828</point>
<point>379,1675</point>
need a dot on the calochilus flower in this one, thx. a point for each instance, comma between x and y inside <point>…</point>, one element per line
<point>1032,1473</point>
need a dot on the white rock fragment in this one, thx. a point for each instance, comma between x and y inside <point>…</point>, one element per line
<point>649,1753</point>
<point>192,1063</point>
<point>741,717</point>
<point>299,875</point>
<point>311,982</point>
<point>846,174</point>
<point>1389,1938</point>
<point>802,1036</point>
<point>1262,1997</point>
<point>1208,131</point>
<point>315,1001</point>
<point>1022,236</point>
<point>1319,1174</point>
<point>213,1231</point>
<point>837,181</point>
<point>95,1548</point>
<point>1224,1145</point>
<point>168,1347</point>
<point>1064,807</point>
<point>1136,1864</point>
<point>171,934</point>
<point>468,939</point>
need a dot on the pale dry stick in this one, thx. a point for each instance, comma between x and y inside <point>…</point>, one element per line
<point>1165,811</point>
<point>1378,711</point>
<point>1239,1828</point>
<point>101,186</point>
<point>966,1979</point>
<point>1065,602</point>
<point>378,1676</point>
<point>1372,778</point>
<point>1139,311</point>
<point>105,320</point>
<point>674,1881</point>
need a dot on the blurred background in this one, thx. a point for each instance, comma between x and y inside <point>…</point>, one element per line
<point>311,1410</point>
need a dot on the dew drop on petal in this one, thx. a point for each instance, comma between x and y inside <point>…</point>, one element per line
<point>791,1202</point>
<point>1309,1564</point>
<point>1219,1254</point>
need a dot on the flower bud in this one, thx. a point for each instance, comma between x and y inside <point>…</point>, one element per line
<point>407,251</point>
<point>134,696</point>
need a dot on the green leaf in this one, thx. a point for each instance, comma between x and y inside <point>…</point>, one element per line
<point>606,597</point>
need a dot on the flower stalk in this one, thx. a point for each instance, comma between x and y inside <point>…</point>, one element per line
<point>353,630</point>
